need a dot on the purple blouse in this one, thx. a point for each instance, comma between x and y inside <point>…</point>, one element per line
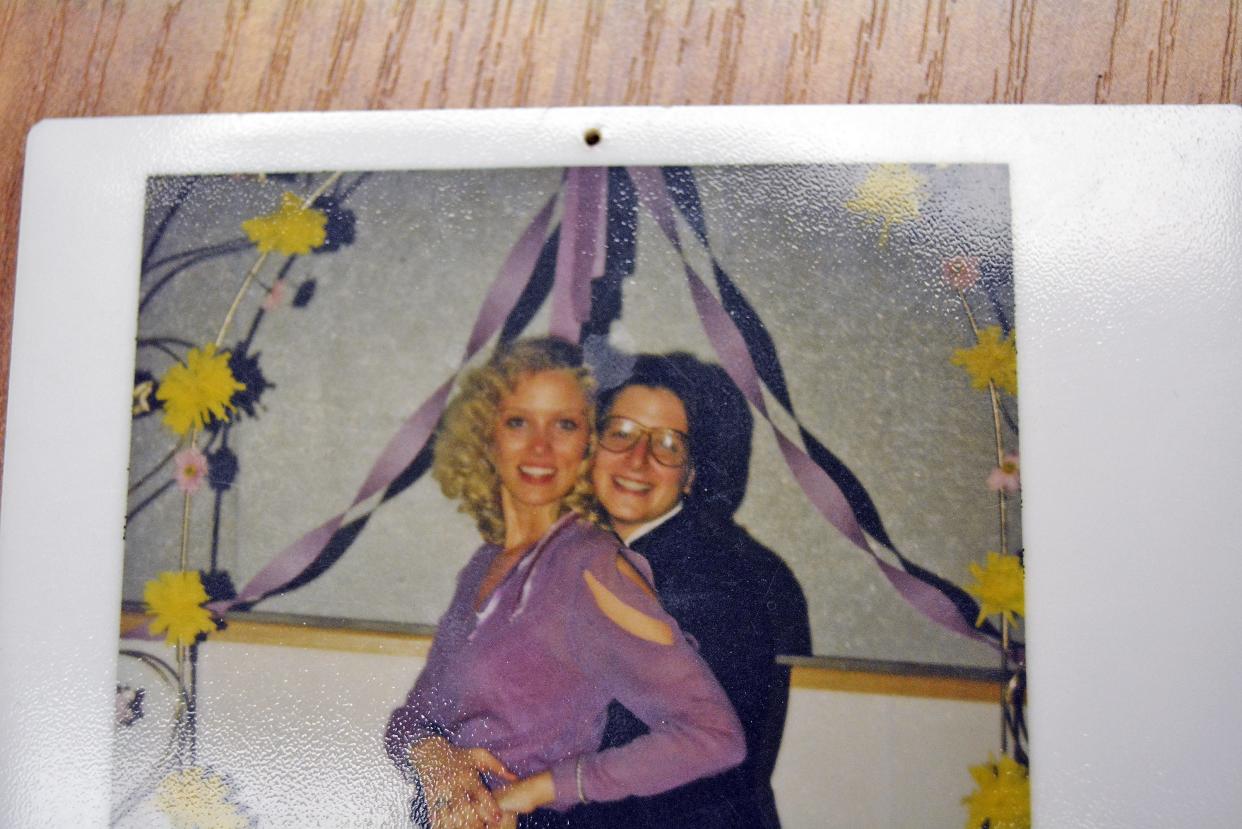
<point>530,677</point>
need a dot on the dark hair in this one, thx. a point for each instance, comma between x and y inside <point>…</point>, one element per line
<point>720,421</point>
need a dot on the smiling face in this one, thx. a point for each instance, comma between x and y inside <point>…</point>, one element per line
<point>632,486</point>
<point>540,438</point>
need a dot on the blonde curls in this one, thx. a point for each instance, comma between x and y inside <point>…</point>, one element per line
<point>462,462</point>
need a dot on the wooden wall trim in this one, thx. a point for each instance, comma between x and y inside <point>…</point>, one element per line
<point>815,673</point>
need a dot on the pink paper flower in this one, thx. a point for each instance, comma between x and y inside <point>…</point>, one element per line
<point>961,272</point>
<point>276,296</point>
<point>191,469</point>
<point>1006,477</point>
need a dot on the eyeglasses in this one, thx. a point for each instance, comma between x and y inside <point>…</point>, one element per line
<point>669,447</point>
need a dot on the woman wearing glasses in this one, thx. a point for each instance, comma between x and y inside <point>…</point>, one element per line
<point>552,619</point>
<point>671,469</point>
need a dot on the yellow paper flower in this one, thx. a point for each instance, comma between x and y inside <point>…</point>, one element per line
<point>198,389</point>
<point>175,598</point>
<point>291,229</point>
<point>1003,796</point>
<point>891,193</point>
<point>994,358</point>
<point>195,798</point>
<point>998,587</point>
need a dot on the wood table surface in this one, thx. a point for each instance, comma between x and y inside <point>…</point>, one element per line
<point>112,57</point>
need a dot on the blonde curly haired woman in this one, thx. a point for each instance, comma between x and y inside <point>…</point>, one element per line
<point>552,619</point>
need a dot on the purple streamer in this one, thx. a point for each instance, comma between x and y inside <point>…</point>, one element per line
<point>727,341</point>
<point>822,491</point>
<point>285,567</point>
<point>508,286</point>
<point>407,443</point>
<point>819,488</point>
<point>582,226</point>
<point>929,601</point>
<point>413,434</point>
<point>649,182</point>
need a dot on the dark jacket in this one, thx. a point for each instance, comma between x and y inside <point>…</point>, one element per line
<point>744,607</point>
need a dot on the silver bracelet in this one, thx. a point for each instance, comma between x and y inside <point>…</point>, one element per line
<point>582,798</point>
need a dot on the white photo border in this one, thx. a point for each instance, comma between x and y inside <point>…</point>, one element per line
<point>1127,236</point>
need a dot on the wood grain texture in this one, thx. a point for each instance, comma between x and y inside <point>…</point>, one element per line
<point>112,57</point>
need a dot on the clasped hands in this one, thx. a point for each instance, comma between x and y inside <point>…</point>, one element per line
<point>455,793</point>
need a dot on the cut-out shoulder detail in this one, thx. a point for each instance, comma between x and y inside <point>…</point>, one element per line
<point>629,619</point>
<point>626,569</point>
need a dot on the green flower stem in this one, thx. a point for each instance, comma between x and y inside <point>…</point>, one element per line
<point>184,664</point>
<point>182,712</point>
<point>185,516</point>
<point>241,292</point>
<point>173,755</point>
<point>970,315</point>
<point>1000,460</point>
<point>254,269</point>
<point>1002,517</point>
<point>1005,696</point>
<point>994,395</point>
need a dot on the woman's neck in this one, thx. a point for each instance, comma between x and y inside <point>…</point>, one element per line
<point>524,525</point>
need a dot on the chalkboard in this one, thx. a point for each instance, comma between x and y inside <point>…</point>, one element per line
<point>871,281</point>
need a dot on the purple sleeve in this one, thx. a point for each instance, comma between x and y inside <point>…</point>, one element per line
<point>694,731</point>
<point>429,706</point>
<point>420,716</point>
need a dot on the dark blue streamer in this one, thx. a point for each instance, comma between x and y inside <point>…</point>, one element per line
<point>222,466</point>
<point>685,194</point>
<point>606,307</point>
<point>758,341</point>
<point>306,292</point>
<point>218,584</point>
<point>1009,418</point>
<point>536,291</point>
<point>762,348</point>
<point>210,253</point>
<point>342,192</point>
<point>179,199</point>
<point>852,488</point>
<point>620,254</point>
<point>221,248</point>
<point>341,541</point>
<point>528,304</point>
<point>148,500</point>
<point>994,275</point>
<point>340,229</point>
<point>344,538</point>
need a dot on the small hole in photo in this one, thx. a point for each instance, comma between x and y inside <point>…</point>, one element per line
<point>592,137</point>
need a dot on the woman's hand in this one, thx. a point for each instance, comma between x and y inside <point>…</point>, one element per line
<point>527,795</point>
<point>456,796</point>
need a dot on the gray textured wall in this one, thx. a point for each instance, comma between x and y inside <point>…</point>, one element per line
<point>864,333</point>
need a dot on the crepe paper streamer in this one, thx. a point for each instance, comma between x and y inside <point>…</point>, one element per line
<point>581,243</point>
<point>619,240</point>
<point>679,182</point>
<point>824,493</point>
<point>576,265</point>
<point>413,434</point>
